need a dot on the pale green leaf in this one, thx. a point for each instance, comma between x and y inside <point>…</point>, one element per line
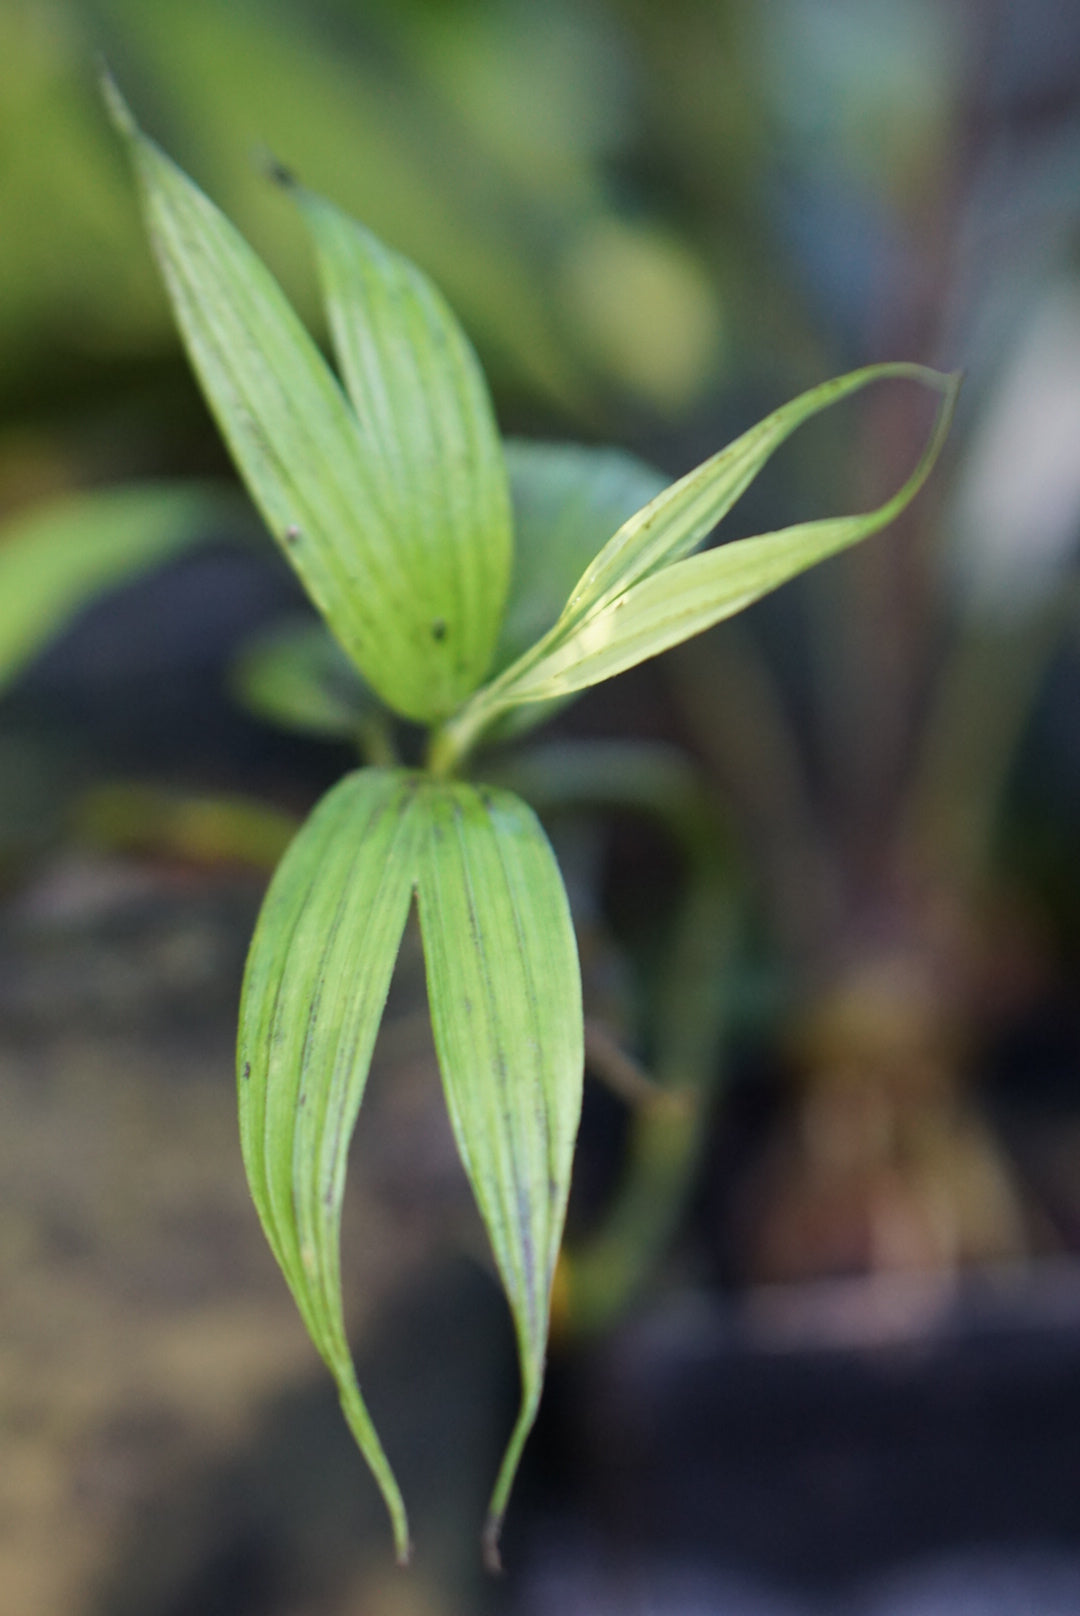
<point>681,517</point>
<point>644,593</point>
<point>683,598</point>
<point>425,412</point>
<point>58,557</point>
<point>314,991</point>
<point>505,993</point>
<point>297,443</point>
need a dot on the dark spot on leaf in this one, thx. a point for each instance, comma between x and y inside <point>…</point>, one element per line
<point>292,535</point>
<point>246,1073</point>
<point>280,175</point>
<point>301,1102</point>
<point>438,630</point>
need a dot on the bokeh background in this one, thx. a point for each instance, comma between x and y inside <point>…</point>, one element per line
<point>817,1334</point>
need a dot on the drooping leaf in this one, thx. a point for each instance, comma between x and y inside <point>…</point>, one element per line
<point>425,412</point>
<point>682,516</point>
<point>60,556</point>
<point>568,501</point>
<point>314,991</point>
<point>675,601</point>
<point>297,444</point>
<point>645,593</point>
<point>295,674</point>
<point>505,993</point>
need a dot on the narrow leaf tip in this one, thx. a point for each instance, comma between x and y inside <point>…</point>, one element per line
<point>115,105</point>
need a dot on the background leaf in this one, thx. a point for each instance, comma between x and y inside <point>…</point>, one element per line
<point>425,412</point>
<point>568,501</point>
<point>505,992</point>
<point>295,674</point>
<point>314,991</point>
<point>295,441</point>
<point>58,557</point>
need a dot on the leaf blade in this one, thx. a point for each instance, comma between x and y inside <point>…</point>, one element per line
<point>685,512</point>
<point>423,405</point>
<point>315,986</point>
<point>504,988</point>
<point>657,541</point>
<point>672,603</point>
<point>292,435</point>
<point>294,674</point>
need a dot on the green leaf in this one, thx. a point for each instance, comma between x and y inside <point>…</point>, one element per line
<point>296,675</point>
<point>298,446</point>
<point>426,415</point>
<point>314,991</point>
<point>505,993</point>
<point>681,599</point>
<point>680,518</point>
<point>58,557</point>
<point>641,597</point>
<point>568,501</point>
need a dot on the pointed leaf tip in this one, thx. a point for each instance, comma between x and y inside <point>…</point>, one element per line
<point>426,416</point>
<point>504,988</point>
<point>115,105</point>
<point>395,511</point>
<point>315,986</point>
<point>646,591</point>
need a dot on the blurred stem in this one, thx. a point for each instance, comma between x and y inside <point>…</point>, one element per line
<point>132,817</point>
<point>607,1059</point>
<point>375,741</point>
<point>728,697</point>
<point>667,1136</point>
<point>872,637</point>
<point>985,695</point>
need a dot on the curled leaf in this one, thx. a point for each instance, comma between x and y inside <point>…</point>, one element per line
<point>645,592</point>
